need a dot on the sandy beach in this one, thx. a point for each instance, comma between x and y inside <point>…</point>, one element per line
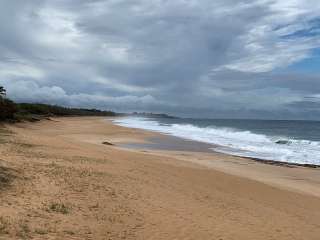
<point>59,181</point>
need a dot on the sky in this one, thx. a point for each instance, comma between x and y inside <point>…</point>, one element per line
<point>193,58</point>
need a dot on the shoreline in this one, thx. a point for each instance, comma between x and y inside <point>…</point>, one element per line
<point>239,143</point>
<point>274,173</point>
<point>67,184</point>
<point>180,144</point>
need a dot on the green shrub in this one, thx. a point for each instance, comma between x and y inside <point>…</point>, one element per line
<point>7,109</point>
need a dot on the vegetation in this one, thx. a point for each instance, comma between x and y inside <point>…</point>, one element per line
<point>45,109</point>
<point>10,111</point>
<point>2,91</point>
<point>7,107</point>
<point>59,208</point>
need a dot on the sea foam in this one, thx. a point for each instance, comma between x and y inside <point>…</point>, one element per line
<point>236,142</point>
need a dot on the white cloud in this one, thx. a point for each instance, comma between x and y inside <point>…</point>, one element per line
<point>17,69</point>
<point>159,55</point>
<point>29,91</point>
<point>265,46</point>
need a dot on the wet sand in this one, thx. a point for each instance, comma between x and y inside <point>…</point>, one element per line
<point>169,143</point>
<point>58,181</point>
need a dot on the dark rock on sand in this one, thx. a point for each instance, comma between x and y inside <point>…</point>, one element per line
<point>283,142</point>
<point>108,143</point>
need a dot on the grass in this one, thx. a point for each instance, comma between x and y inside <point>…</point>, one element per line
<point>4,134</point>
<point>70,232</point>
<point>6,177</point>
<point>25,145</point>
<point>4,225</point>
<point>23,230</point>
<point>85,160</point>
<point>41,231</point>
<point>19,229</point>
<point>4,131</point>
<point>59,207</point>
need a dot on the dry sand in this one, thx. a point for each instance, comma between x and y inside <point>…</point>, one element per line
<point>58,181</point>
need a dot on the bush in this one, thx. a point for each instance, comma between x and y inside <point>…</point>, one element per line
<point>7,109</point>
<point>53,110</point>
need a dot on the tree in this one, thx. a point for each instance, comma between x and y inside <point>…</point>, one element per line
<point>7,107</point>
<point>2,91</point>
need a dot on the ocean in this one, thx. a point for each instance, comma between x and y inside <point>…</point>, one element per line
<point>277,140</point>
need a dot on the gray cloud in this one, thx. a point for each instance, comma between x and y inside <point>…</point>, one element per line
<point>202,57</point>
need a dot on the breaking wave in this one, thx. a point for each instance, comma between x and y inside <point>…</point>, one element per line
<point>236,142</point>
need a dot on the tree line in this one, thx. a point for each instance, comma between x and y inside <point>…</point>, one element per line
<point>11,111</point>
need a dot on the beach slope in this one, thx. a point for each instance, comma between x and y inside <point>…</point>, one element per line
<point>69,178</point>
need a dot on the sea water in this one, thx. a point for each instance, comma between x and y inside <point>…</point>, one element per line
<point>277,140</point>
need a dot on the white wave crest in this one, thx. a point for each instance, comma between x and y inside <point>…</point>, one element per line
<point>236,142</point>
